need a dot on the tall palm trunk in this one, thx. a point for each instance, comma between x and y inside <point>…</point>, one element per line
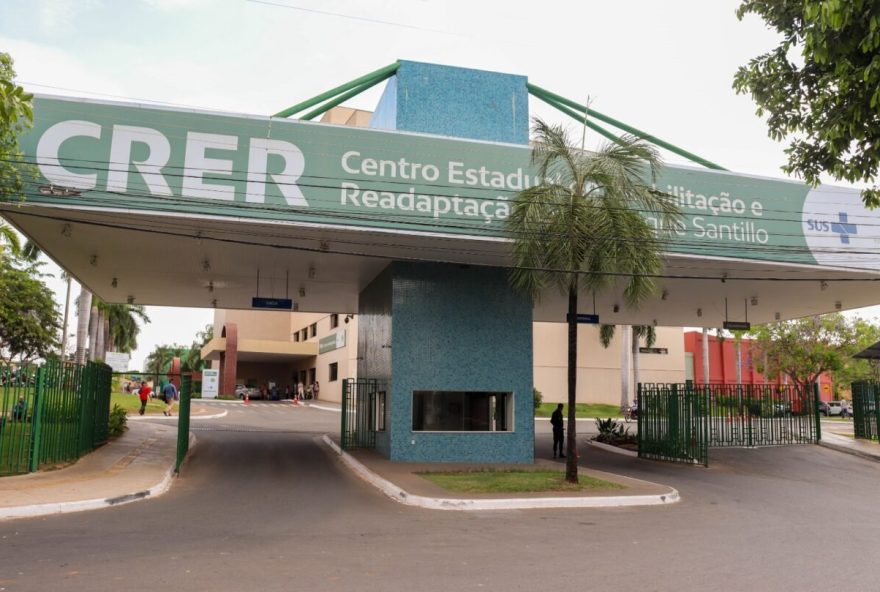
<point>571,446</point>
<point>64,323</point>
<point>737,346</point>
<point>99,336</point>
<point>705,356</point>
<point>105,342</point>
<point>637,378</point>
<point>624,368</point>
<point>93,333</point>
<point>82,323</point>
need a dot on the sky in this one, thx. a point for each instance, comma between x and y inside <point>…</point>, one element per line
<point>664,67</point>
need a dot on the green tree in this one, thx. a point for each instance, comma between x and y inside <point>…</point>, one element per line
<point>857,370</point>
<point>16,115</point>
<point>28,319</point>
<point>803,349</point>
<point>631,355</point>
<point>582,227</point>
<point>821,86</point>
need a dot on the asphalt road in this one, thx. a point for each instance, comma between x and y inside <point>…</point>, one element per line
<point>261,505</point>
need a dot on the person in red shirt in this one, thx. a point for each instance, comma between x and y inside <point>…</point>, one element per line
<point>144,394</point>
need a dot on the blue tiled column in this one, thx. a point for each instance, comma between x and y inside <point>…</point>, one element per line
<point>459,329</point>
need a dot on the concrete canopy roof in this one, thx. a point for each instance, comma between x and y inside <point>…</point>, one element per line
<point>182,208</point>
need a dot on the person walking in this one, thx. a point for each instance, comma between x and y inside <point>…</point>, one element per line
<point>558,432</point>
<point>317,389</point>
<point>169,392</point>
<point>144,396</point>
<point>300,390</point>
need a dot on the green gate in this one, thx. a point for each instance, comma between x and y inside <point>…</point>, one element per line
<point>361,399</point>
<point>672,423</point>
<point>866,410</point>
<point>183,420</point>
<point>680,422</point>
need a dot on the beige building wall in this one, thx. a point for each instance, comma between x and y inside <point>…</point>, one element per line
<point>598,375</point>
<point>344,357</point>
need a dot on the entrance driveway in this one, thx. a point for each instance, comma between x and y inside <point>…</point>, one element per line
<point>262,505</point>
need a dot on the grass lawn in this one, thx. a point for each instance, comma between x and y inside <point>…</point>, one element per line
<point>588,410</point>
<point>513,481</point>
<point>132,404</point>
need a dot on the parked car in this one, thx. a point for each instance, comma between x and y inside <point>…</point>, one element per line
<point>828,408</point>
<point>241,391</point>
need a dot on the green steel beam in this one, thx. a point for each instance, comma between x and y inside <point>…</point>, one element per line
<point>544,94</point>
<point>344,97</point>
<point>579,117</point>
<point>381,73</point>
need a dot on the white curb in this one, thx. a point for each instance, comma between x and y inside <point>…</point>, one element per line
<point>223,413</point>
<point>322,408</point>
<point>34,510</point>
<point>614,449</point>
<point>401,496</point>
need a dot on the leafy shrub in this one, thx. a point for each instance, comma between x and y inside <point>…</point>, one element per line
<point>537,397</point>
<point>118,421</point>
<point>613,432</point>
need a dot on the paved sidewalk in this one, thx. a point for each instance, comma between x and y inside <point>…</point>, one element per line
<point>864,448</point>
<point>134,466</point>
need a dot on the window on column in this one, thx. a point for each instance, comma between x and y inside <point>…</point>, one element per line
<point>462,411</point>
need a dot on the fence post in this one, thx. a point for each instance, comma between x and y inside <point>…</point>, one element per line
<point>36,434</point>
<point>346,394</point>
<point>816,413</point>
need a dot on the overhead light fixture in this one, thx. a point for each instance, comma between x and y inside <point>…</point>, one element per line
<point>312,272</point>
<point>616,308</point>
<point>664,295</point>
<point>699,312</point>
<point>214,303</point>
<point>823,285</point>
<point>114,282</point>
<point>838,305</point>
<point>754,301</point>
<point>654,322</point>
<point>348,317</point>
<point>94,260</point>
<point>56,191</point>
<point>324,246</point>
<point>206,265</point>
<point>211,286</point>
<point>130,299</point>
<point>777,316</point>
<point>302,292</point>
<point>723,277</point>
<point>65,230</point>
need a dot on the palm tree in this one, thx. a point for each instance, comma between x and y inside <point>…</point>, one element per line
<point>84,307</point>
<point>630,355</point>
<point>582,226</point>
<point>123,325</point>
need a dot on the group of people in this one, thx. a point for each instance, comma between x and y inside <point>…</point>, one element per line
<point>169,395</point>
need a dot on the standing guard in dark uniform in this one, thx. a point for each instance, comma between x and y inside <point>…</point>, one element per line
<point>558,432</point>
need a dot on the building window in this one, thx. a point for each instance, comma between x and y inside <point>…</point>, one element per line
<point>296,336</point>
<point>312,376</point>
<point>304,334</point>
<point>380,411</point>
<point>334,371</point>
<point>313,329</point>
<point>334,321</point>
<point>462,411</point>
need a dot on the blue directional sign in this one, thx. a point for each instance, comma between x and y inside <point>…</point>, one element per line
<point>272,303</point>
<point>589,319</point>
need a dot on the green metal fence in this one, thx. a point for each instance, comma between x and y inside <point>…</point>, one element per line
<point>51,414</point>
<point>672,423</point>
<point>866,410</point>
<point>761,414</point>
<point>359,398</point>
<point>183,420</point>
<point>680,422</point>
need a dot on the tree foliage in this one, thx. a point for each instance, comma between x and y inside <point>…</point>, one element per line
<point>582,227</point>
<point>821,86</point>
<point>803,349</point>
<point>16,115</point>
<point>28,319</point>
<point>857,370</point>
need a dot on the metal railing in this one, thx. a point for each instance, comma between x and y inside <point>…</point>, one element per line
<point>680,422</point>
<point>866,410</point>
<point>359,413</point>
<point>51,414</point>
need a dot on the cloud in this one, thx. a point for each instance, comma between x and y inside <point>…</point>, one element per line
<point>56,16</point>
